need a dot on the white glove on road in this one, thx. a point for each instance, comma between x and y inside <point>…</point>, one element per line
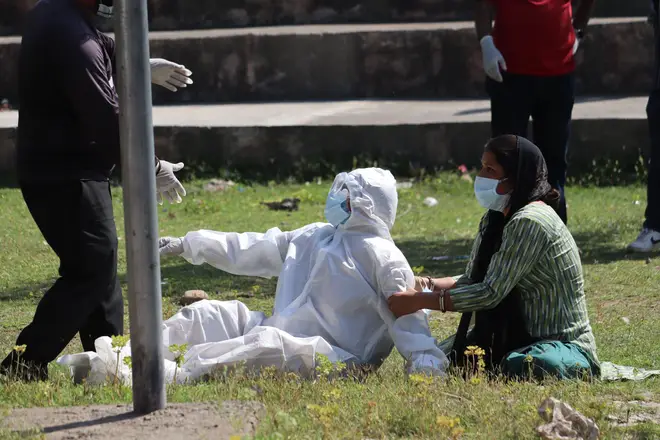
<point>170,246</point>
<point>167,185</point>
<point>168,74</point>
<point>492,58</point>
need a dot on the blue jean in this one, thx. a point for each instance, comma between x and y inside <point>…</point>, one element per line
<point>549,102</point>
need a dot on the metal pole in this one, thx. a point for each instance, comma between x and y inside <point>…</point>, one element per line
<point>141,217</point>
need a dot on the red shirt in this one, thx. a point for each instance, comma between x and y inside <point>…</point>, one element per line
<point>535,37</point>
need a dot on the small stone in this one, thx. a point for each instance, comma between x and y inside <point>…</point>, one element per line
<point>625,319</point>
<point>430,202</point>
<point>192,296</point>
<point>218,185</point>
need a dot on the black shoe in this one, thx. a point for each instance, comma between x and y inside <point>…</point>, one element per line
<point>16,368</point>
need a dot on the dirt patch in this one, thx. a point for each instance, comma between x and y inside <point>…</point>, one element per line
<point>634,412</point>
<point>176,421</point>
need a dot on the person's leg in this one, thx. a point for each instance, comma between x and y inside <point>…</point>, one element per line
<point>649,239</point>
<point>653,190</point>
<point>548,359</point>
<point>77,222</point>
<point>551,121</point>
<point>510,104</point>
<point>108,318</point>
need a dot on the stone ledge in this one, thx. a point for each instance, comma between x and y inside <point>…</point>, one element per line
<point>181,14</point>
<point>310,139</point>
<point>430,61</point>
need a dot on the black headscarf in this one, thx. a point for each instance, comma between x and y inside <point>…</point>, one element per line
<point>502,328</point>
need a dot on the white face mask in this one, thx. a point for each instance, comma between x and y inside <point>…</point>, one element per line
<point>485,190</point>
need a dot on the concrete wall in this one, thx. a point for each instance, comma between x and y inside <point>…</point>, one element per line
<point>310,151</point>
<point>436,62</point>
<point>200,14</point>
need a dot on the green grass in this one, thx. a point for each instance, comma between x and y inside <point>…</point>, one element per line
<point>387,405</point>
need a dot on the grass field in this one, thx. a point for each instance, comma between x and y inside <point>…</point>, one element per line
<point>388,405</point>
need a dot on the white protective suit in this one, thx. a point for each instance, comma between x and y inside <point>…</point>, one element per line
<point>331,296</point>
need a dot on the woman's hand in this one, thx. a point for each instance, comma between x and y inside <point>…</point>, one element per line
<point>436,285</point>
<point>405,303</point>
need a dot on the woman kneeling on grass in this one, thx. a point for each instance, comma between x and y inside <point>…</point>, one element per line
<point>524,279</point>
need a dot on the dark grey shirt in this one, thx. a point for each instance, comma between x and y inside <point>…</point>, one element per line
<point>68,125</point>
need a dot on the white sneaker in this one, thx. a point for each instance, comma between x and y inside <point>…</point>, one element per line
<point>647,241</point>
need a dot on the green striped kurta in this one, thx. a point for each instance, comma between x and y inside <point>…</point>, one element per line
<point>539,256</point>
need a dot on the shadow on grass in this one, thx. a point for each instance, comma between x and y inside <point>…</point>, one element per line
<point>597,248</point>
<point>451,256</point>
<point>35,290</point>
<point>450,260</point>
<point>182,276</point>
<point>176,278</point>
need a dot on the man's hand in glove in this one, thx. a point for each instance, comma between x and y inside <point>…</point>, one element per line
<point>167,185</point>
<point>170,246</point>
<point>492,59</point>
<point>168,74</point>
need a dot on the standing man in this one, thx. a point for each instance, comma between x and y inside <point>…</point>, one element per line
<point>528,57</point>
<point>649,239</point>
<point>66,154</point>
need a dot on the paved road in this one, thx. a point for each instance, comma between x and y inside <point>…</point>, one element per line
<point>366,112</point>
<point>320,29</point>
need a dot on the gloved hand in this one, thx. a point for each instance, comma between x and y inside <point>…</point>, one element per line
<point>578,40</point>
<point>170,246</point>
<point>168,74</point>
<point>492,59</point>
<point>426,364</point>
<point>167,184</point>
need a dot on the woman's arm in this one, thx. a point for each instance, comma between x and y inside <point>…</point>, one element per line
<point>434,284</point>
<point>411,301</point>
<point>523,241</point>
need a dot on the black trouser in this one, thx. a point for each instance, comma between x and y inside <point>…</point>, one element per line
<point>549,102</point>
<point>653,117</point>
<point>76,219</point>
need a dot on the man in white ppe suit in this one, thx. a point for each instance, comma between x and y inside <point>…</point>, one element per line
<point>331,298</point>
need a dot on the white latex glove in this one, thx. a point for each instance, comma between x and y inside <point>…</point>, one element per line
<point>167,185</point>
<point>492,58</point>
<point>168,74</point>
<point>170,246</point>
<point>576,45</point>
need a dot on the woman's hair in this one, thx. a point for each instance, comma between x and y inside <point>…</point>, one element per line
<point>524,166</point>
